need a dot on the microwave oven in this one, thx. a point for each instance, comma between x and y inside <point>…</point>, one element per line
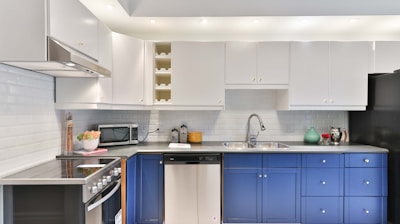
<point>118,134</point>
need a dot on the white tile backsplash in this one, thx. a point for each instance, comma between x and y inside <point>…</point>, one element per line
<point>31,129</point>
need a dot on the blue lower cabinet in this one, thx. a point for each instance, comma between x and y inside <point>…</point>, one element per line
<point>261,192</point>
<point>322,210</point>
<point>242,201</point>
<point>365,210</point>
<point>145,191</point>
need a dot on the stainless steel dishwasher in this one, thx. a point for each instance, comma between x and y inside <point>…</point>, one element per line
<point>192,188</point>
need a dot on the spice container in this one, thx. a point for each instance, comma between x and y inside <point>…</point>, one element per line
<point>174,136</point>
<point>183,134</point>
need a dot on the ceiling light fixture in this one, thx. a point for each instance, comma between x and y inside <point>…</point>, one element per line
<point>110,7</point>
<point>354,20</point>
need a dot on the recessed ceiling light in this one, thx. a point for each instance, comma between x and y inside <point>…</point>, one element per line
<point>203,21</point>
<point>255,21</point>
<point>354,20</point>
<point>110,7</point>
<point>152,21</point>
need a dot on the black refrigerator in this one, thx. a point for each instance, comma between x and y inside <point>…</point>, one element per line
<point>379,126</point>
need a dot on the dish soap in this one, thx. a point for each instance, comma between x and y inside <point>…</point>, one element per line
<point>312,136</point>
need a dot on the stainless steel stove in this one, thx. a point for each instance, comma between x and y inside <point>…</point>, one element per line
<point>88,188</point>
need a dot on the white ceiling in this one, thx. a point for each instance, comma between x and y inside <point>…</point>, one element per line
<point>251,19</point>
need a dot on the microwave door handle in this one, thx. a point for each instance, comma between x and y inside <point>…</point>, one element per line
<point>105,198</point>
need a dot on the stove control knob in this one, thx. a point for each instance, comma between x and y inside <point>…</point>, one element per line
<point>108,178</point>
<point>99,185</point>
<point>104,181</point>
<point>94,190</point>
<point>115,172</point>
<point>119,169</point>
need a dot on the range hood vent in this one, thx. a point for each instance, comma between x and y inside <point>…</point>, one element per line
<point>62,62</point>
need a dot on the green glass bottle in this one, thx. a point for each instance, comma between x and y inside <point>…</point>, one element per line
<point>312,136</point>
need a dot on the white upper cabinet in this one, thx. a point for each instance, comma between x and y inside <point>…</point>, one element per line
<point>329,75</point>
<point>257,65</point>
<point>24,32</point>
<point>128,70</point>
<point>387,56</point>
<point>197,77</point>
<point>74,25</point>
<point>309,78</point>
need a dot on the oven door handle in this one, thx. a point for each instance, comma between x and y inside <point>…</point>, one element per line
<point>105,198</point>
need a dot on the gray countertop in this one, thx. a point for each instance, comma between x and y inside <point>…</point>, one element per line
<point>49,172</point>
<point>294,147</point>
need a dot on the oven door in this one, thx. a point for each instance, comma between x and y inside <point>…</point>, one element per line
<point>106,206</point>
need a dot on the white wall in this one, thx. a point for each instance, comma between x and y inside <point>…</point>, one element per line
<point>29,125</point>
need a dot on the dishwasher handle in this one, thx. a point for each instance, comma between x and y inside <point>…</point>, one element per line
<point>195,159</point>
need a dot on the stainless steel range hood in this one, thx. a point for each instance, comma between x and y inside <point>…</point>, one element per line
<point>63,61</point>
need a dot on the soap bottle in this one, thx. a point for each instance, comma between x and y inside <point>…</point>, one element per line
<point>183,134</point>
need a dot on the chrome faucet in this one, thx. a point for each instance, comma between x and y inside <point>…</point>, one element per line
<point>252,139</point>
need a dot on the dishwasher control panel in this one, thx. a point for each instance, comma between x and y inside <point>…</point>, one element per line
<point>192,158</point>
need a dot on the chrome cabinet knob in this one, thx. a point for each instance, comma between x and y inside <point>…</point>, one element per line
<point>265,175</point>
<point>366,211</point>
<point>260,175</point>
<point>323,161</point>
<point>366,160</point>
<point>367,182</point>
<point>323,182</point>
<point>323,211</point>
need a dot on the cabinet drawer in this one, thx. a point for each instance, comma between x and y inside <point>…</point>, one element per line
<point>322,182</point>
<point>242,160</point>
<point>282,160</point>
<point>365,182</point>
<point>365,210</point>
<point>366,160</point>
<point>320,210</point>
<point>323,160</point>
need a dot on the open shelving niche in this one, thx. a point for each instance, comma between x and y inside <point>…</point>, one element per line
<point>162,73</point>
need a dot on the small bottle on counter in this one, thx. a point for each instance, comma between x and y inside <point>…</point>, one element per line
<point>183,134</point>
<point>174,136</point>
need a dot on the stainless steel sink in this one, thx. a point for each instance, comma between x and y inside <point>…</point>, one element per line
<point>257,145</point>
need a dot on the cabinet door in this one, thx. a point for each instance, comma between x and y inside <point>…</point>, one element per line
<point>387,56</point>
<point>131,179</point>
<point>349,73</point>
<point>128,70</point>
<point>241,63</point>
<point>150,189</point>
<point>281,195</point>
<point>74,25</point>
<point>273,63</point>
<point>23,26</point>
<point>197,73</point>
<point>242,196</point>
<point>309,73</point>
